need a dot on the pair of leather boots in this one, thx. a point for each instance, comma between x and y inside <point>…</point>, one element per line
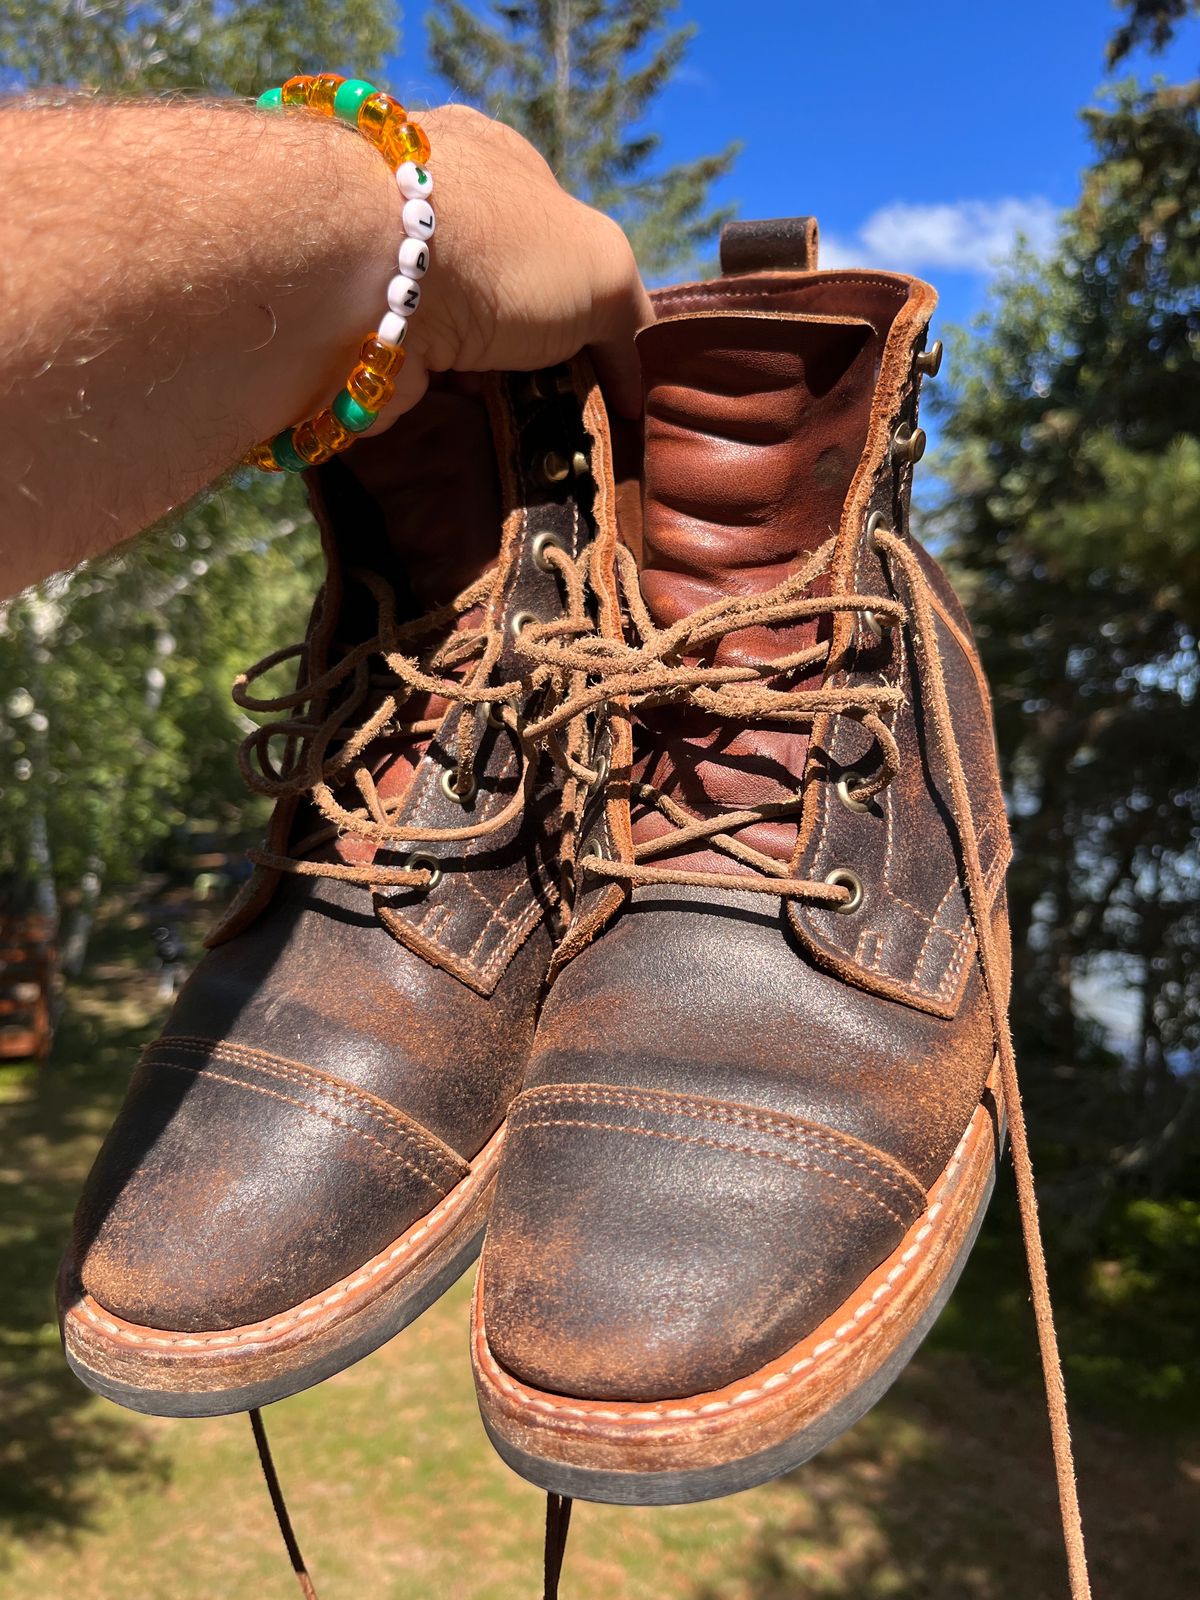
<point>636,877</point>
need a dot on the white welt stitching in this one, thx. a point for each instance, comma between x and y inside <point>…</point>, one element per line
<point>263,1330</point>
<point>821,1353</point>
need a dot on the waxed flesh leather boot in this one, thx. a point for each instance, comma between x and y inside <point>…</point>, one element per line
<point>307,1153</point>
<point>762,1113</point>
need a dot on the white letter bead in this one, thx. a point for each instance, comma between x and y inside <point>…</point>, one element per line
<point>418,219</point>
<point>403,295</point>
<point>414,258</point>
<point>416,183</point>
<point>392,329</point>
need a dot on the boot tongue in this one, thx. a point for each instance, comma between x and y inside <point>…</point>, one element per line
<point>433,486</point>
<point>755,423</point>
<point>754,426</point>
<point>421,507</point>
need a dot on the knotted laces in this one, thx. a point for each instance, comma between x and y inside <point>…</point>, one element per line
<point>332,725</point>
<point>666,667</point>
<point>353,710</point>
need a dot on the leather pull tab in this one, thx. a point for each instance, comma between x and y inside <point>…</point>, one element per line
<point>781,244</point>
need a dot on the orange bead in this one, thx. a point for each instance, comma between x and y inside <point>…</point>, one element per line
<point>370,389</point>
<point>308,446</point>
<point>261,457</point>
<point>384,359</point>
<point>296,90</point>
<point>324,87</point>
<point>377,114</point>
<point>330,432</point>
<point>408,143</point>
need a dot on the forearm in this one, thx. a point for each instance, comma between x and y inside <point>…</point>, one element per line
<point>176,282</point>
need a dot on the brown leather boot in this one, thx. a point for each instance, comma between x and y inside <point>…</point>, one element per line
<point>307,1153</point>
<point>768,1088</point>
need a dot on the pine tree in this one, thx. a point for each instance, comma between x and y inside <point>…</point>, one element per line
<point>128,47</point>
<point>1074,468</point>
<point>577,78</point>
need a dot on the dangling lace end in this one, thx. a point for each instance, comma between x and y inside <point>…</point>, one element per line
<point>558,1521</point>
<point>279,1506</point>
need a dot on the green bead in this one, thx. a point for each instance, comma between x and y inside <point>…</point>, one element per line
<point>285,455</point>
<point>270,100</point>
<point>350,414</point>
<point>349,97</point>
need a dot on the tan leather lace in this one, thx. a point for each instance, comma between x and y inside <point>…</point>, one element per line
<point>333,724</point>
<point>651,672</point>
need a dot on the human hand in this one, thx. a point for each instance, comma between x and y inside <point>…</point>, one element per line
<point>523,275</point>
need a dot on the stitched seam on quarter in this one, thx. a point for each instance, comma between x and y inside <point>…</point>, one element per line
<point>498,910</point>
<point>862,1312</point>
<point>312,1111</point>
<point>853,1153</point>
<point>717,1144</point>
<point>959,936</point>
<point>499,957</point>
<point>335,1088</point>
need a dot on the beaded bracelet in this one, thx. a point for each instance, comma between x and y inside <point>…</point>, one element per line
<point>370,385</point>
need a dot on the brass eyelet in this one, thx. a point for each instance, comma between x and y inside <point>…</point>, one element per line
<point>451,790</point>
<point>430,864</point>
<point>602,771</point>
<point>553,467</point>
<point>876,625</point>
<point>593,850</point>
<point>492,716</point>
<point>843,878</point>
<point>520,621</point>
<point>546,541</point>
<point>929,362</point>
<point>580,465</point>
<point>908,445</point>
<point>845,791</point>
<point>876,523</point>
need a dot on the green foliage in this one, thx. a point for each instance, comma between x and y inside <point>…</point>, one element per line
<point>117,726</point>
<point>115,719</point>
<point>1125,1299</point>
<point>1074,516</point>
<point>577,78</point>
<point>1150,22</point>
<point>123,47</point>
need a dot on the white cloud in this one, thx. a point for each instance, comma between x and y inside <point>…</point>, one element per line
<point>968,236</point>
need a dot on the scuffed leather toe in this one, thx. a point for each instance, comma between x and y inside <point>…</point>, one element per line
<point>616,1269</point>
<point>236,1184</point>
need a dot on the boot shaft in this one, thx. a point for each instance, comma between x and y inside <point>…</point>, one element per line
<point>780,421</point>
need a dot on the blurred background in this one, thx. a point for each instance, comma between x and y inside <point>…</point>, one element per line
<point>1041,165</point>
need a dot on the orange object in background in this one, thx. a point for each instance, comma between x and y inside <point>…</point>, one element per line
<point>28,965</point>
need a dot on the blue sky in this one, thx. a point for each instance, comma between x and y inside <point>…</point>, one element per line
<point>922,136</point>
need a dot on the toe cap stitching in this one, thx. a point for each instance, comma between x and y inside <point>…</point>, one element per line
<point>778,1124</point>
<point>731,1149</point>
<point>295,1072</point>
<point>312,1111</point>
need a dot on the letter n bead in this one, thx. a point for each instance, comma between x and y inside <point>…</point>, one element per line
<point>404,296</point>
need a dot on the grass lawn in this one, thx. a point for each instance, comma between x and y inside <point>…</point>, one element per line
<point>944,1492</point>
